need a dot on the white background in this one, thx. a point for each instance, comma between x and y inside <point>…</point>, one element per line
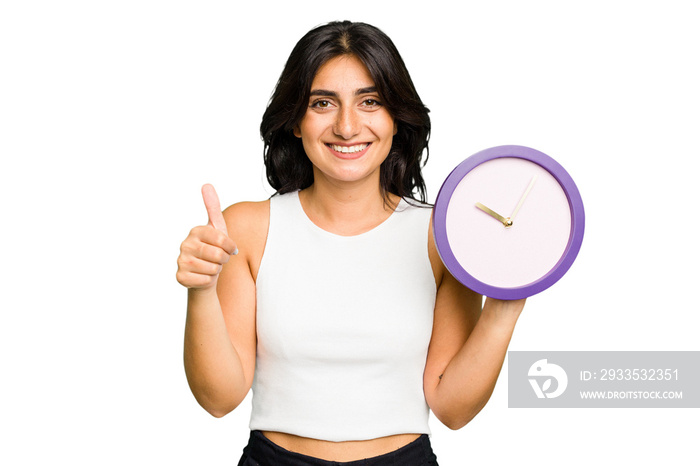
<point>113,114</point>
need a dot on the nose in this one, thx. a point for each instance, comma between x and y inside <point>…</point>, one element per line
<point>347,123</point>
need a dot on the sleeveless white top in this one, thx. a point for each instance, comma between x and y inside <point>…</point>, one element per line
<point>343,325</point>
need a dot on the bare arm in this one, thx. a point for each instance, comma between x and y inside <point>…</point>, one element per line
<point>219,350</point>
<point>467,348</point>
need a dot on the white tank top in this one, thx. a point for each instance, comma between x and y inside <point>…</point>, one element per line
<point>343,325</point>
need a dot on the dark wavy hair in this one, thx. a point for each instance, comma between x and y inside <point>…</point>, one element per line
<point>287,166</point>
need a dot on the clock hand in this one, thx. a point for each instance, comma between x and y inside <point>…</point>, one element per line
<point>522,199</point>
<point>505,221</point>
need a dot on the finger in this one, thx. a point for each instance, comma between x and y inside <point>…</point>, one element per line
<point>213,254</point>
<point>195,280</point>
<point>205,234</point>
<point>211,202</point>
<point>194,265</point>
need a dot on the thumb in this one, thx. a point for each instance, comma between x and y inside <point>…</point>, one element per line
<point>211,202</point>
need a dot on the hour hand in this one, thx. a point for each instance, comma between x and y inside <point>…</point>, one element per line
<point>505,221</point>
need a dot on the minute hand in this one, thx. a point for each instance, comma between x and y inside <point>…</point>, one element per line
<point>522,199</point>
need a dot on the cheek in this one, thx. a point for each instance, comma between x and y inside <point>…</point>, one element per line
<point>385,127</point>
<point>311,126</point>
<point>302,128</point>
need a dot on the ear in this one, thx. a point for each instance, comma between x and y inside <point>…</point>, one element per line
<point>297,131</point>
<point>396,128</point>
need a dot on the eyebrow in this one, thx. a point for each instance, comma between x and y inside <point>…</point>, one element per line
<point>325,92</point>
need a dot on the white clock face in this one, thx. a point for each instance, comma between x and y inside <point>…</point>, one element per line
<point>517,255</point>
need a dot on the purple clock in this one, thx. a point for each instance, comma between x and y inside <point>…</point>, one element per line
<point>508,222</point>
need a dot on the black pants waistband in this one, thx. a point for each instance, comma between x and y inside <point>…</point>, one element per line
<point>261,451</point>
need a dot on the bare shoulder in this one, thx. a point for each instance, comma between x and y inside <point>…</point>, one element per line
<point>247,224</point>
<point>248,217</point>
<point>435,261</point>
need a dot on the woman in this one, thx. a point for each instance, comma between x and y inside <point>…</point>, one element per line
<point>338,301</point>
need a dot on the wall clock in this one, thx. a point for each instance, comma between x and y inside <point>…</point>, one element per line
<point>508,222</point>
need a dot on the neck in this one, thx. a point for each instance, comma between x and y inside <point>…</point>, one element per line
<point>347,209</point>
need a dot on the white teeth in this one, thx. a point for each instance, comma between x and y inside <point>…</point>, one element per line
<point>348,149</point>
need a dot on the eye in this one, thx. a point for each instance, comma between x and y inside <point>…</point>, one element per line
<point>371,103</point>
<point>321,104</point>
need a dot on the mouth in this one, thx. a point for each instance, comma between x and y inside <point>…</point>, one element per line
<point>349,152</point>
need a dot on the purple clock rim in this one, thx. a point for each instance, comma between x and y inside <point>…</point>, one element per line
<point>575,237</point>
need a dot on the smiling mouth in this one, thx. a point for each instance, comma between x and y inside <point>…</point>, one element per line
<point>348,149</point>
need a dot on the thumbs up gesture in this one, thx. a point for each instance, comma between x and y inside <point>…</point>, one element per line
<point>207,248</point>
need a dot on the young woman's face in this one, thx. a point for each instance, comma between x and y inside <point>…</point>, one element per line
<point>346,131</point>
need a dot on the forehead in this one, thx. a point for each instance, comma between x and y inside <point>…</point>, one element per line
<point>342,72</point>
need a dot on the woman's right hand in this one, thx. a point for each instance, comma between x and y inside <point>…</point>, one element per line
<point>206,249</point>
